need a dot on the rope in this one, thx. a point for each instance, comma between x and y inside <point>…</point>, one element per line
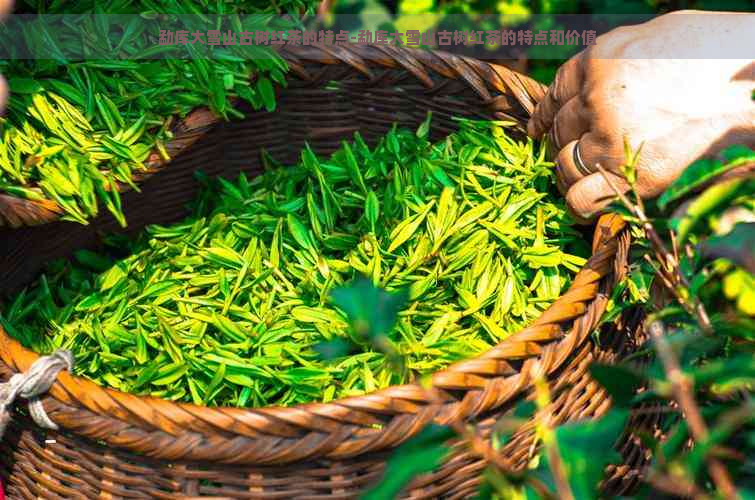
<point>32,384</point>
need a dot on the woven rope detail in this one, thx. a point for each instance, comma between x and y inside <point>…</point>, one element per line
<point>32,384</point>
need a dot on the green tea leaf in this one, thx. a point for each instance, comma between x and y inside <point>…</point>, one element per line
<point>738,245</point>
<point>371,311</point>
<point>298,231</point>
<point>703,170</point>
<point>265,88</point>
<point>620,382</point>
<point>372,209</point>
<point>587,447</point>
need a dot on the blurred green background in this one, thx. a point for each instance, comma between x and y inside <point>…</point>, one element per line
<point>423,15</point>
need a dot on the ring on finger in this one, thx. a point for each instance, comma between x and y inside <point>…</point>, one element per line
<point>583,169</point>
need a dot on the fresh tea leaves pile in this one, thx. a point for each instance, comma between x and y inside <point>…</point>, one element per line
<point>73,130</point>
<point>232,306</point>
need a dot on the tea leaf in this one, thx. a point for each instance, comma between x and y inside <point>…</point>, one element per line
<point>298,285</point>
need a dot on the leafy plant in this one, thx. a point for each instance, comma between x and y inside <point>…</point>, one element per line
<point>77,129</point>
<point>702,376</point>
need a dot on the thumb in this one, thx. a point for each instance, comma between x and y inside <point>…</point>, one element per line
<point>591,194</point>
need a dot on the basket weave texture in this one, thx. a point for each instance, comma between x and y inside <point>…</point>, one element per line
<point>115,445</point>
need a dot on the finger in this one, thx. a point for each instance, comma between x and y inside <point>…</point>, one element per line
<point>571,122</point>
<point>5,7</point>
<point>562,188</point>
<point>569,169</point>
<point>3,94</point>
<point>577,218</point>
<point>566,85</point>
<point>590,195</point>
<point>566,167</point>
<point>606,149</point>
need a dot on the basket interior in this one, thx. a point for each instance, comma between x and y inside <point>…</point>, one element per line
<point>320,111</point>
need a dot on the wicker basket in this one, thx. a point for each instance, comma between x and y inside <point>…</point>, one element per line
<point>116,445</point>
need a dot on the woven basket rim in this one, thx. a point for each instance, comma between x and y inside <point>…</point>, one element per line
<point>581,307</point>
<point>527,344</point>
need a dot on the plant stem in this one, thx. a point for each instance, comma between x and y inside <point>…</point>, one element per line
<point>675,486</point>
<point>549,439</point>
<point>682,389</point>
<point>673,279</point>
<point>676,282</point>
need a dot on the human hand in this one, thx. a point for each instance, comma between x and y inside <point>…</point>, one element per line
<point>5,8</point>
<point>648,83</point>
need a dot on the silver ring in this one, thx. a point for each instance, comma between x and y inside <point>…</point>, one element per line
<point>578,161</point>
